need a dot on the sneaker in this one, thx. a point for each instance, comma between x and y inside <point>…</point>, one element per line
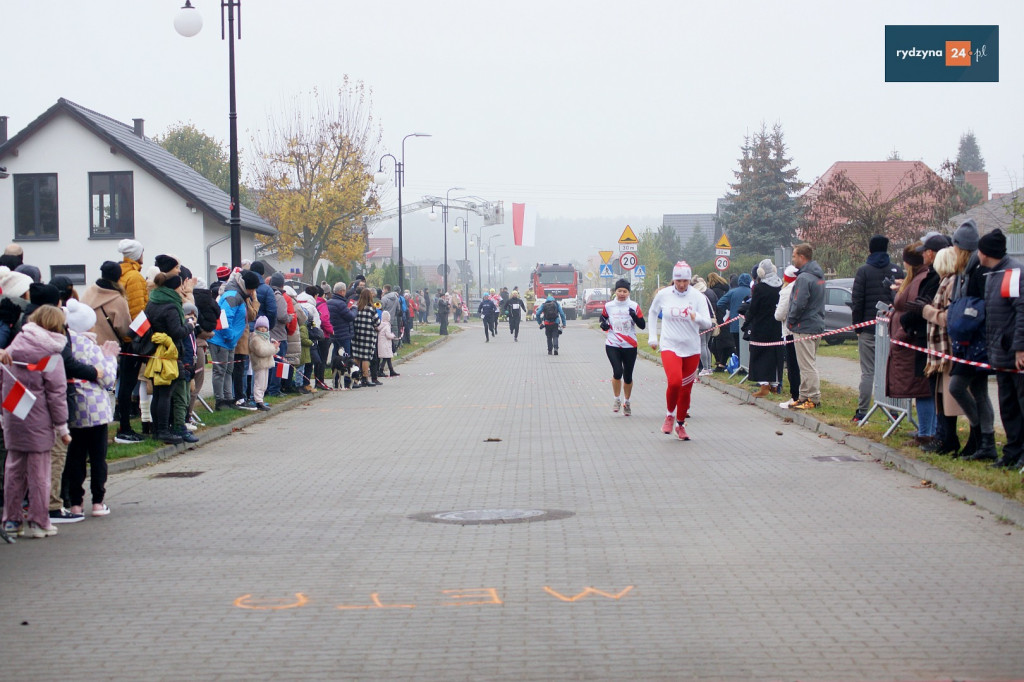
<point>395,374</point>
<point>190,426</point>
<point>62,515</point>
<point>100,510</point>
<point>243,404</point>
<point>804,405</point>
<point>705,373</point>
<point>556,351</point>
<point>667,426</point>
<point>169,438</point>
<point>33,530</point>
<point>857,418</point>
<point>12,528</point>
<point>788,404</point>
<point>263,407</point>
<point>128,437</point>
<point>187,436</point>
<point>625,409</point>
<point>616,405</point>
<point>681,432</point>
<point>76,509</point>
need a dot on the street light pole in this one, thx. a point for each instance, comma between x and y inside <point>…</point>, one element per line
<point>380,178</point>
<point>444,221</point>
<point>188,23</point>
<point>465,247</point>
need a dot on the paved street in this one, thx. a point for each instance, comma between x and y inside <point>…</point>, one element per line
<point>291,553</point>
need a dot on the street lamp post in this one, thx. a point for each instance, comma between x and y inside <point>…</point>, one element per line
<point>444,216</point>
<point>465,247</point>
<point>491,257</point>
<point>380,177</point>
<point>188,23</point>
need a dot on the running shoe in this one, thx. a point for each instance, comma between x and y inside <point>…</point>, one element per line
<point>788,404</point>
<point>616,405</point>
<point>625,409</point>
<point>681,432</point>
<point>804,405</point>
<point>667,426</point>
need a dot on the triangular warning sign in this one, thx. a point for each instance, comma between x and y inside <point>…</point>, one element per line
<point>723,243</point>
<point>628,237</point>
<point>606,256</point>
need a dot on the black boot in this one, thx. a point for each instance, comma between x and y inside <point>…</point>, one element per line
<point>972,443</point>
<point>950,444</point>
<point>1007,461</point>
<point>986,447</point>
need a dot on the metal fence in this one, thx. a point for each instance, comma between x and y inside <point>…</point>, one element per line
<point>896,409</point>
<point>744,356</point>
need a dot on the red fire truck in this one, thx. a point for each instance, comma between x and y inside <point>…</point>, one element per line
<point>561,281</point>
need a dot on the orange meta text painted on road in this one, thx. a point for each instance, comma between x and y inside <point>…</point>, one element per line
<point>472,596</point>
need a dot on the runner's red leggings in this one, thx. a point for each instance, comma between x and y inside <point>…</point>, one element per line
<point>681,373</point>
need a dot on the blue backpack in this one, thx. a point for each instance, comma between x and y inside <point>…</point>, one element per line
<point>965,323</point>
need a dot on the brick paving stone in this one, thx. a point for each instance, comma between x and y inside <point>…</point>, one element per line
<point>733,556</point>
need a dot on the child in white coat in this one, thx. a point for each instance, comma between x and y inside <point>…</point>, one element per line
<point>385,349</point>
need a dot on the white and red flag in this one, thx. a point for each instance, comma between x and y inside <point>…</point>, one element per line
<point>1010,286</point>
<point>19,400</point>
<point>140,325</point>
<point>283,371</point>
<point>47,364</point>
<point>222,321</point>
<point>524,225</point>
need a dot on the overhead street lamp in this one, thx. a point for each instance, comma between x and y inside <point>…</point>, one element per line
<point>465,247</point>
<point>188,22</point>
<point>444,213</point>
<point>380,177</point>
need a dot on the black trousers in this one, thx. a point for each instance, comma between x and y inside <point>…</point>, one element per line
<point>87,444</point>
<point>552,332</point>
<point>127,379</point>
<point>513,325</point>
<point>1011,411</point>
<point>161,409</point>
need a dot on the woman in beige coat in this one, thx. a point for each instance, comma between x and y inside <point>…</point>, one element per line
<point>106,297</point>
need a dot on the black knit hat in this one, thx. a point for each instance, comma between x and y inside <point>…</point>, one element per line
<point>878,244</point>
<point>911,256</point>
<point>110,271</point>
<point>622,284</point>
<point>165,263</point>
<point>43,294</point>
<point>258,267</point>
<point>250,279</point>
<point>993,244</point>
<point>64,285</point>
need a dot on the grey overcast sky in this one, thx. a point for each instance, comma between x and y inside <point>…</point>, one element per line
<point>585,109</point>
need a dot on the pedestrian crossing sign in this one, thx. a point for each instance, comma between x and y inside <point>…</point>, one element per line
<point>640,272</point>
<point>606,271</point>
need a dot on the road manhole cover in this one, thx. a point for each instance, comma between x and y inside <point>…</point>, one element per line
<point>475,517</point>
<point>837,458</point>
<point>178,474</point>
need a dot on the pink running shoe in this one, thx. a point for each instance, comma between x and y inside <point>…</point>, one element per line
<point>667,426</point>
<point>681,432</point>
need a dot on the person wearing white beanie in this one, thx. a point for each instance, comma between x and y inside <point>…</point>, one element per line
<point>683,312</point>
<point>90,414</point>
<point>14,284</point>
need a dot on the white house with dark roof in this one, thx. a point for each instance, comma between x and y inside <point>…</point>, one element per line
<point>80,181</point>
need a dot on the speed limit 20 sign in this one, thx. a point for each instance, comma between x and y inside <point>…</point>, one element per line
<point>722,263</point>
<point>627,261</point>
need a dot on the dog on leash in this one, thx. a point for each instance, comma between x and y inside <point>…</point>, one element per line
<point>344,369</point>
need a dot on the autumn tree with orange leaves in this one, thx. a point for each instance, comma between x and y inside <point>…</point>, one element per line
<point>314,176</point>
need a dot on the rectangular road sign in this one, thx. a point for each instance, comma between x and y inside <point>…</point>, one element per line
<point>627,248</point>
<point>723,252</point>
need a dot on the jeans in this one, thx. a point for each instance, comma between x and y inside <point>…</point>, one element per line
<point>866,350</point>
<point>925,417</point>
<point>222,372</point>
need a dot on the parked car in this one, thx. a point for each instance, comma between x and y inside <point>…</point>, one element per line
<point>838,313</point>
<point>595,304</point>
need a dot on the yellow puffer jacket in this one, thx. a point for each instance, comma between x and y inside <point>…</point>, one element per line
<point>162,368</point>
<point>135,287</point>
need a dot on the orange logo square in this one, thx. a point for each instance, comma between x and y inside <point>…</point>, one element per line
<point>958,53</point>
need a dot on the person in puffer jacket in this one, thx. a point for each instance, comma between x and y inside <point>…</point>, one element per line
<point>90,414</point>
<point>240,286</point>
<point>30,434</point>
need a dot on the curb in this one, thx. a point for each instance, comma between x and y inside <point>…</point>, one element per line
<point>213,433</point>
<point>971,494</point>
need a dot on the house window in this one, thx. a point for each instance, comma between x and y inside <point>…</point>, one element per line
<point>76,273</point>
<point>112,205</point>
<point>35,206</point>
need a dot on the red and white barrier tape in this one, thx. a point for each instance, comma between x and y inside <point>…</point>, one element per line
<point>866,323</point>
<point>724,322</point>
<point>946,356</point>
